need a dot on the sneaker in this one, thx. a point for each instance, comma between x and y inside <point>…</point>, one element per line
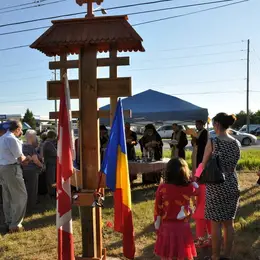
<point>199,243</point>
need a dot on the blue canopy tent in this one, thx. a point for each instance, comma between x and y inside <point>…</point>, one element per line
<point>154,106</point>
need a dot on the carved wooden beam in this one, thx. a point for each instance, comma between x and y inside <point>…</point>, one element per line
<point>100,114</point>
<point>120,87</point>
<point>101,62</point>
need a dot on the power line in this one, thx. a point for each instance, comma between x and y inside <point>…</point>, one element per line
<point>199,82</point>
<point>195,56</point>
<point>190,13</point>
<point>175,94</point>
<point>130,14</point>
<point>179,7</point>
<point>15,47</point>
<point>24,4</point>
<point>204,46</point>
<point>26,78</point>
<point>29,7</point>
<point>22,101</point>
<point>110,8</point>
<point>190,65</point>
<point>148,60</point>
<point>23,46</point>
<point>25,30</point>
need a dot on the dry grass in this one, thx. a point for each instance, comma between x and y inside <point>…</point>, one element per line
<point>39,243</point>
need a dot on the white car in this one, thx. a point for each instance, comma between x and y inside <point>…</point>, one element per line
<point>244,138</point>
<point>165,131</point>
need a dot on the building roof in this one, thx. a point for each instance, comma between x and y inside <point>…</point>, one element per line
<point>68,36</point>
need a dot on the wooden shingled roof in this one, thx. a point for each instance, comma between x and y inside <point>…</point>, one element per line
<point>68,36</point>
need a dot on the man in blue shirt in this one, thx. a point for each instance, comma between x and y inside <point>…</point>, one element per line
<point>11,177</point>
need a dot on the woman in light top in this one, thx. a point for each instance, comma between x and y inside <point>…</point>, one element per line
<point>31,170</point>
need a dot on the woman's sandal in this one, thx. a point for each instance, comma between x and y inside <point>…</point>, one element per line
<point>16,230</point>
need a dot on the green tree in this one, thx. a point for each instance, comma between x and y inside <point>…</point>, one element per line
<point>29,119</point>
<point>241,119</point>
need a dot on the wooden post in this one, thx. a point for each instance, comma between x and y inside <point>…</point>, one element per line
<point>113,75</point>
<point>89,147</point>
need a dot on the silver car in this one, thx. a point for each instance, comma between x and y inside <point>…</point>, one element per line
<point>244,138</point>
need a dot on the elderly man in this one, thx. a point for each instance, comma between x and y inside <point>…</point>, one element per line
<point>11,177</point>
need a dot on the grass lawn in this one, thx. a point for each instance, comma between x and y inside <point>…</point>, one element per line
<point>250,159</point>
<point>39,242</point>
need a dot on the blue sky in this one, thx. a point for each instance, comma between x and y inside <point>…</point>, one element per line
<point>172,63</point>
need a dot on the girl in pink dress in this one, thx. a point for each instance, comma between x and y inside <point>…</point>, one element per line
<point>172,213</point>
<point>203,226</point>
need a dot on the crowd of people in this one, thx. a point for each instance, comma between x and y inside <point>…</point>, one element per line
<point>27,169</point>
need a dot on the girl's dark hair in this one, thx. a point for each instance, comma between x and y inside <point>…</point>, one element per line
<point>177,172</point>
<point>225,120</point>
<point>14,124</point>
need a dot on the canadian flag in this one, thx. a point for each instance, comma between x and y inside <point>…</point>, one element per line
<point>65,159</point>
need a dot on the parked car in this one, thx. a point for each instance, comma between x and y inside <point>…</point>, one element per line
<point>244,138</point>
<point>252,127</point>
<point>165,131</point>
<point>256,132</point>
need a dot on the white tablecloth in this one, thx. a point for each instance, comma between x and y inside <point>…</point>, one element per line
<point>146,167</point>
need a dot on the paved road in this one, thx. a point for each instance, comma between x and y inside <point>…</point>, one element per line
<point>166,146</point>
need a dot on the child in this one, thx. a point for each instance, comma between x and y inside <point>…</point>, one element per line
<point>203,226</point>
<point>172,213</point>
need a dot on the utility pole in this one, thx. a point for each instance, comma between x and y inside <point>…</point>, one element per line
<point>247,86</point>
<point>55,101</point>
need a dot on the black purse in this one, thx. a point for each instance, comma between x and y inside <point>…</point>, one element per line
<point>212,173</point>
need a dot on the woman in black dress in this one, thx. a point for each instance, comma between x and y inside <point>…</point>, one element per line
<point>50,161</point>
<point>131,142</point>
<point>182,141</point>
<point>222,199</point>
<point>201,141</point>
<point>152,140</point>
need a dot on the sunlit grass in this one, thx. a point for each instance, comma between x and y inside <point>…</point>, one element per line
<point>40,242</point>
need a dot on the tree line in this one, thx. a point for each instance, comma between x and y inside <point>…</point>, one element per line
<point>241,119</point>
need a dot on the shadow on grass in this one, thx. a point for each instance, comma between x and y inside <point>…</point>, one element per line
<point>148,229</point>
<point>140,193</point>
<point>247,239</point>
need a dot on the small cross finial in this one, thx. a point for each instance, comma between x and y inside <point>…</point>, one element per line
<point>90,5</point>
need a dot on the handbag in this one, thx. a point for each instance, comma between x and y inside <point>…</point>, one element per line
<point>212,173</point>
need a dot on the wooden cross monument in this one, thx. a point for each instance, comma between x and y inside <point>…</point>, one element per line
<point>86,37</point>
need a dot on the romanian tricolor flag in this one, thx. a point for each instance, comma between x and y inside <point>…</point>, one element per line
<point>115,166</point>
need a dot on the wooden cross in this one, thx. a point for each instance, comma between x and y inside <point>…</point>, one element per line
<point>112,87</point>
<point>90,5</point>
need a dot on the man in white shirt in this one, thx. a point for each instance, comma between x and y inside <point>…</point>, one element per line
<point>11,177</point>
